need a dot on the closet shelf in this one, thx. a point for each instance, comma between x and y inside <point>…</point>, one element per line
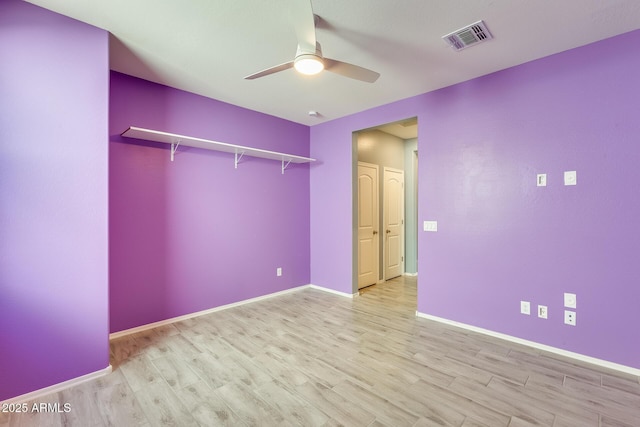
<point>238,150</point>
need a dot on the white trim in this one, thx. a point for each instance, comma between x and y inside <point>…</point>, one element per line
<point>94,375</point>
<point>410,274</point>
<point>533,344</point>
<point>332,291</point>
<point>59,387</point>
<point>148,326</point>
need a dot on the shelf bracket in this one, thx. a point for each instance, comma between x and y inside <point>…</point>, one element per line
<point>238,158</point>
<point>284,166</point>
<point>174,148</point>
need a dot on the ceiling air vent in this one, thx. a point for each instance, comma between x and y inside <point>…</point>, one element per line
<point>468,36</point>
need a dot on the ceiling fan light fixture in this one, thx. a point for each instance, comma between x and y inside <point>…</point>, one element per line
<point>309,59</point>
<point>308,64</point>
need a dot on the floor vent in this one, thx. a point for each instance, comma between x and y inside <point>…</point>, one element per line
<point>468,36</point>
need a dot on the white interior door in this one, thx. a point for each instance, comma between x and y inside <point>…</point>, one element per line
<point>368,237</point>
<point>393,208</point>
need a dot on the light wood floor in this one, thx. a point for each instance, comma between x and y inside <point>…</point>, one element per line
<point>311,358</point>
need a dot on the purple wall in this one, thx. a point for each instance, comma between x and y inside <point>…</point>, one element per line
<point>53,199</point>
<point>501,239</point>
<point>196,233</point>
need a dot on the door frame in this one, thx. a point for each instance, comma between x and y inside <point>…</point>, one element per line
<point>354,200</point>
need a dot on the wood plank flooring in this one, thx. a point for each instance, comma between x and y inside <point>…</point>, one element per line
<point>311,358</point>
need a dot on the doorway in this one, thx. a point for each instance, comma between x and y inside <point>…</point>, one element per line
<point>384,235</point>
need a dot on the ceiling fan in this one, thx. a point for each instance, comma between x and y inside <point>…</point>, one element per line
<point>309,59</point>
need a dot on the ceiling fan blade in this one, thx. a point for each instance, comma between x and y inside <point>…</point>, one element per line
<point>301,14</point>
<point>350,70</point>
<point>271,70</point>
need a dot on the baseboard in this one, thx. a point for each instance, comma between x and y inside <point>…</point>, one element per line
<point>569,354</point>
<point>148,326</point>
<point>171,320</point>
<point>410,274</point>
<point>94,375</point>
<point>332,291</point>
<point>59,387</point>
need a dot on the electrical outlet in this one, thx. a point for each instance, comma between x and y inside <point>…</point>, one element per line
<point>279,271</point>
<point>525,307</point>
<point>542,311</point>
<point>570,317</point>
<point>570,300</point>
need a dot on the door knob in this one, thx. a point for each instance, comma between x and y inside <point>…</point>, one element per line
<point>388,231</point>
<point>375,232</point>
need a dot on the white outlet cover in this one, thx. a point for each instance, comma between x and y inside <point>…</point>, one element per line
<point>570,300</point>
<point>541,180</point>
<point>570,317</point>
<point>525,307</point>
<point>570,178</point>
<point>279,271</point>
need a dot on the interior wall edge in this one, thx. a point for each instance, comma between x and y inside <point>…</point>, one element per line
<point>333,291</point>
<point>141,328</point>
<point>569,354</point>
<point>123,333</point>
<point>38,394</point>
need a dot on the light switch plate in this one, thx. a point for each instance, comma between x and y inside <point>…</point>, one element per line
<point>541,180</point>
<point>543,311</point>
<point>570,178</point>
<point>430,226</point>
<point>525,307</point>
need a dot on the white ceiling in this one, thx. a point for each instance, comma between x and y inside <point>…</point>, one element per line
<point>208,46</point>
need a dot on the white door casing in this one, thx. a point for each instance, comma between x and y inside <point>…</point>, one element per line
<point>393,214</point>
<point>368,217</point>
